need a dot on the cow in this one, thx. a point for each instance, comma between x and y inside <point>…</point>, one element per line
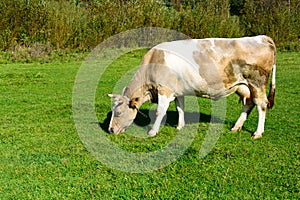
<point>210,68</point>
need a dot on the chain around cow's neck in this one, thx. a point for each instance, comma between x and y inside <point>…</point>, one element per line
<point>143,114</point>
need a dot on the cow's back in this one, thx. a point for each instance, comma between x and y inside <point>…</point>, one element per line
<point>209,66</point>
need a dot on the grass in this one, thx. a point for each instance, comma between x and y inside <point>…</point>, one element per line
<point>42,156</point>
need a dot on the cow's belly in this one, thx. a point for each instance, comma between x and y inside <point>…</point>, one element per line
<point>192,84</point>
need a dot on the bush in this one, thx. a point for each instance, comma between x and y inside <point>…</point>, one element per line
<point>62,25</point>
<point>209,19</point>
<point>273,18</point>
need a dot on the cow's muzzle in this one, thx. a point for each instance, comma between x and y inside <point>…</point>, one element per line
<point>115,131</point>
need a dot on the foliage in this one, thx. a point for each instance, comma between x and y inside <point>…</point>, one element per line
<point>236,7</point>
<point>80,25</point>
<point>207,20</point>
<point>274,18</point>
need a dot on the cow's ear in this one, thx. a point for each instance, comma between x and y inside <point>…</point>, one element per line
<point>134,103</point>
<point>114,96</point>
<point>125,90</point>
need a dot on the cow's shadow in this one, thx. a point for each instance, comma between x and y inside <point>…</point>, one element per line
<point>145,118</point>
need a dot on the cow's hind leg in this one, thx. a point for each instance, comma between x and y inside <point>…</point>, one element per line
<point>261,104</point>
<point>163,104</point>
<point>180,109</point>
<point>245,97</point>
<point>246,110</point>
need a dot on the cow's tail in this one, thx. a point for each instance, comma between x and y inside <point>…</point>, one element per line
<point>271,94</point>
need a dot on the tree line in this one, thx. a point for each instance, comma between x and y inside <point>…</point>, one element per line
<point>48,25</point>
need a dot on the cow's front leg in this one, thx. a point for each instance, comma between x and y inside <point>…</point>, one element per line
<point>163,104</point>
<point>180,109</point>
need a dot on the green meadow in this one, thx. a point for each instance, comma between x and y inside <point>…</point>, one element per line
<point>42,156</point>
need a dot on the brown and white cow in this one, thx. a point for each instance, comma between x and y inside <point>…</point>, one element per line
<point>210,68</point>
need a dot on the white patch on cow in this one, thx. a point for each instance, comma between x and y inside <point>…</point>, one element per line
<point>259,40</point>
<point>187,72</point>
<point>182,49</point>
<point>212,41</point>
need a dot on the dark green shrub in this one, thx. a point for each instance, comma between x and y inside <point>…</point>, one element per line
<point>273,18</point>
<point>31,26</point>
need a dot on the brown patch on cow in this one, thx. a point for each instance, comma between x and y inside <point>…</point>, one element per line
<point>154,56</point>
<point>208,70</point>
<point>134,103</point>
<point>271,97</point>
<point>203,45</point>
<point>229,74</point>
<point>164,91</point>
<point>229,45</point>
<point>254,74</point>
<point>254,93</point>
<point>211,59</point>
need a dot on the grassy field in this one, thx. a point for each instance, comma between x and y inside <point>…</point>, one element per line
<point>42,156</point>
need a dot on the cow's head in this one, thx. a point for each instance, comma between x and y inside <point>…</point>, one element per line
<point>123,113</point>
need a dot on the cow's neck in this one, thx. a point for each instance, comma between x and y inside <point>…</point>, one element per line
<point>138,91</point>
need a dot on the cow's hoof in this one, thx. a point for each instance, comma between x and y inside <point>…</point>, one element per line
<point>152,133</point>
<point>235,129</point>
<point>256,136</point>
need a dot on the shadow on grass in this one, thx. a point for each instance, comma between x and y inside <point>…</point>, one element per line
<point>146,117</point>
